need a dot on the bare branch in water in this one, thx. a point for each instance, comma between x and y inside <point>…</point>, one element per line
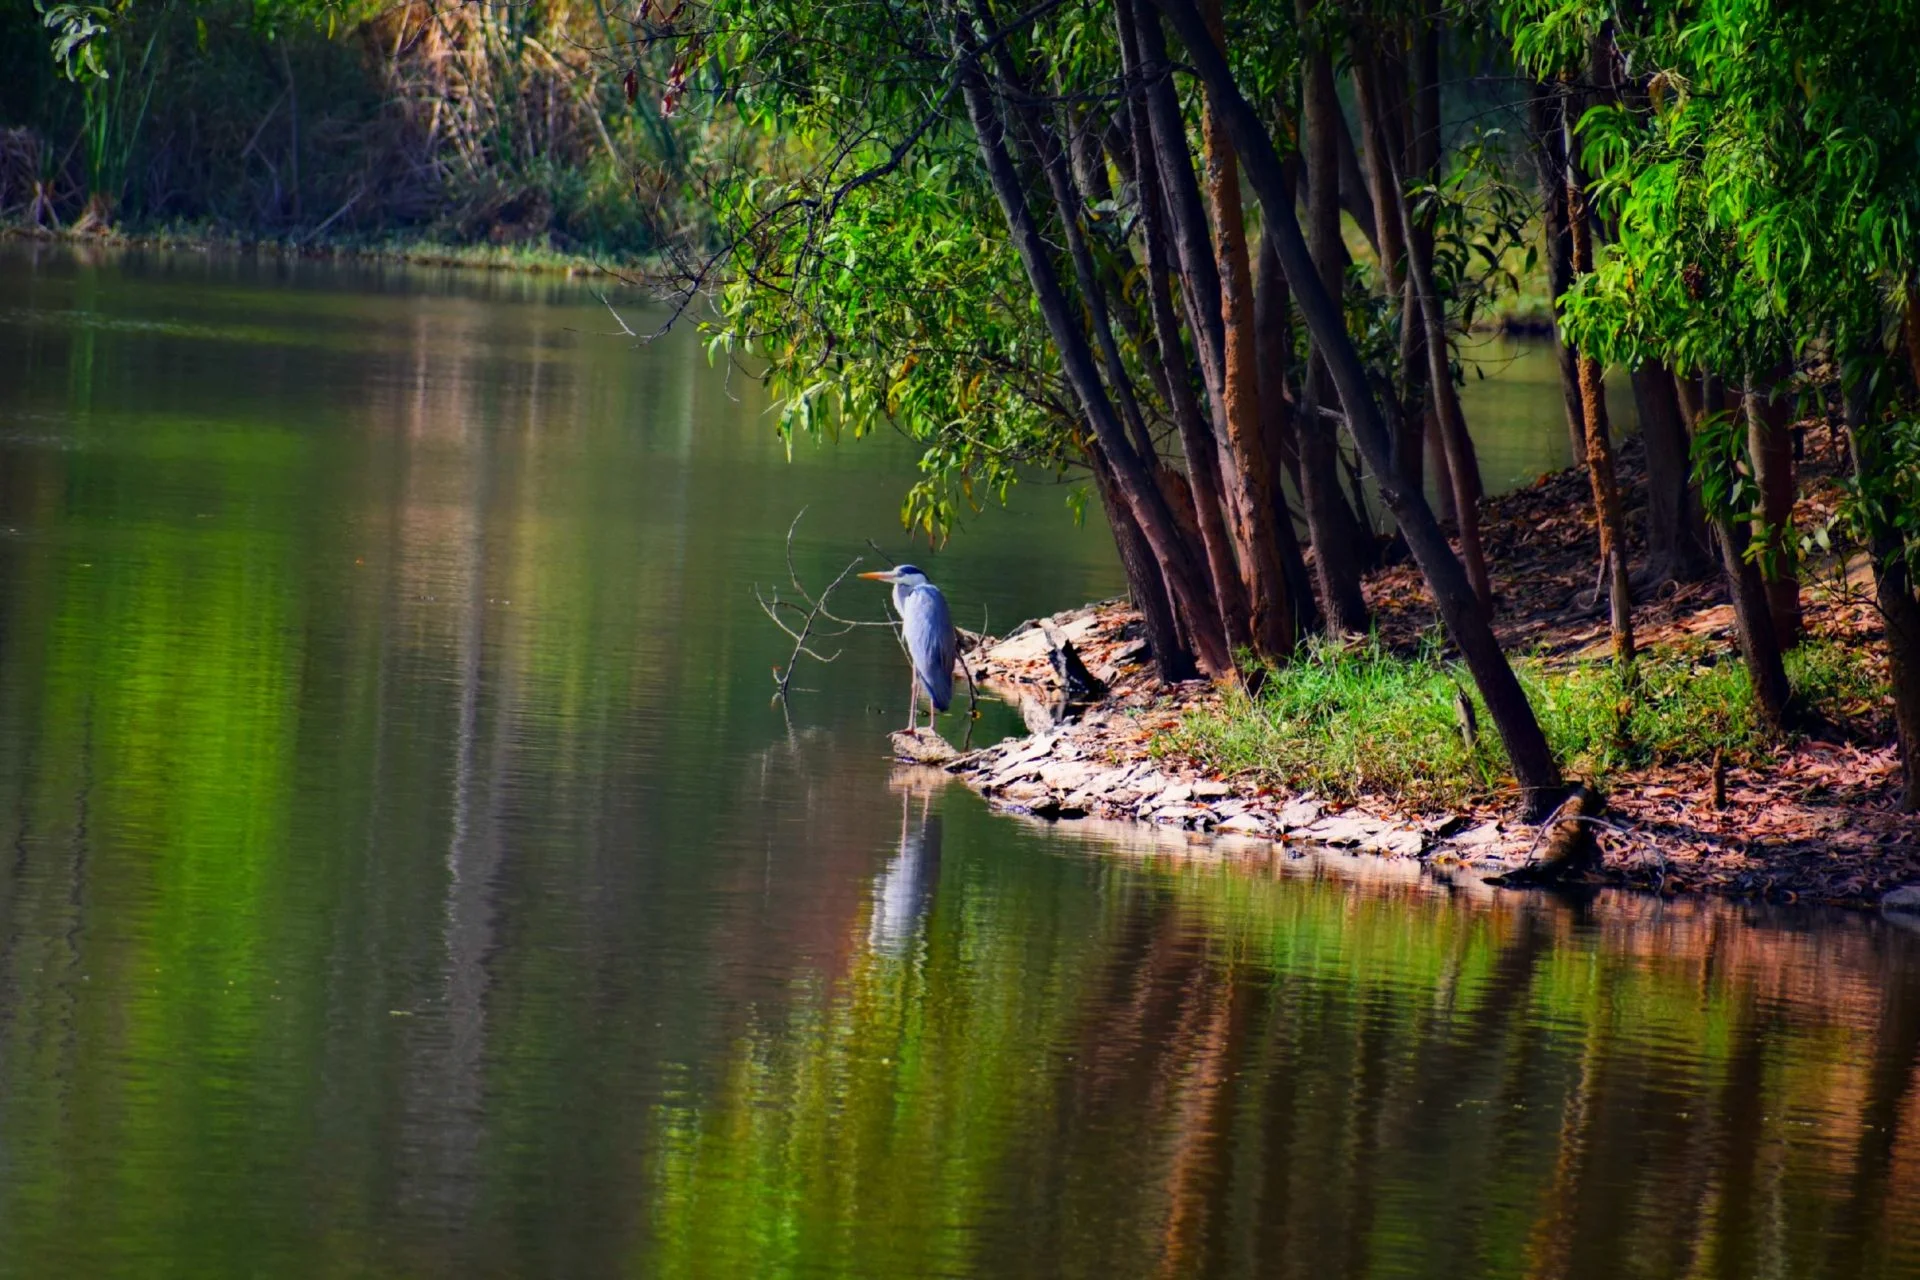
<point>808,630</point>
<point>617,317</point>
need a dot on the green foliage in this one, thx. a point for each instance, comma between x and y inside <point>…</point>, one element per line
<point>1481,219</point>
<point>905,310</point>
<point>1884,500</point>
<point>77,31</point>
<point>1764,187</point>
<point>1354,720</point>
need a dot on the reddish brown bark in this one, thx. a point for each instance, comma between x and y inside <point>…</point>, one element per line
<point>1273,339</point>
<point>1249,485</point>
<point>1390,243</point>
<point>1449,423</point>
<point>1172,660</point>
<point>1196,438</point>
<point>1599,447</point>
<point>1133,482</point>
<point>1676,532</point>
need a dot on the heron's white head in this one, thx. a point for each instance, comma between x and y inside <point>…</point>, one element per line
<point>901,575</point>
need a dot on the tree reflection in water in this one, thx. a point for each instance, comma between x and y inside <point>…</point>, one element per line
<point>1313,1068</point>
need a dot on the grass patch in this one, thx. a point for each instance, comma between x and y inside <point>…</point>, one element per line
<point>1351,720</point>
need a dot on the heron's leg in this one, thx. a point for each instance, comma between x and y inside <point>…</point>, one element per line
<point>913,701</point>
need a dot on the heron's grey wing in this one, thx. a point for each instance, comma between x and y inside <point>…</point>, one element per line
<point>932,642</point>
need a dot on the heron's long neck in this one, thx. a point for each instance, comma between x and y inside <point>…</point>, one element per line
<point>901,590</point>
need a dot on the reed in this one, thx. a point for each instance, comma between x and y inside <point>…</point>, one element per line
<point>479,124</point>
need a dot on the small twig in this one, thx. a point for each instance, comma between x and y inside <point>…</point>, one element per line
<point>785,678</point>
<point>808,630</point>
<point>622,322</point>
<point>1558,817</point>
<point>973,703</point>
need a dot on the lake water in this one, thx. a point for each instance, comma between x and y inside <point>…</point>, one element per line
<point>405,873</point>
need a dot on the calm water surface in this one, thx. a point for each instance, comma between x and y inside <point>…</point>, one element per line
<point>403,873</point>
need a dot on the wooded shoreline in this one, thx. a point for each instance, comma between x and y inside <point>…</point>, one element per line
<point>1812,819</point>
<point>421,251</point>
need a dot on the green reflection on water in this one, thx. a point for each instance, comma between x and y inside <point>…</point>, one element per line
<point>1240,1071</point>
<point>405,874</point>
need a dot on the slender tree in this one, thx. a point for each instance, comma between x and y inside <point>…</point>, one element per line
<point>1599,451</point>
<point>1463,612</point>
<point>1336,556</point>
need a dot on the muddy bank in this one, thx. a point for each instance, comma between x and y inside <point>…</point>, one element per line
<point>1105,757</point>
<point>1782,836</point>
<point>1814,820</point>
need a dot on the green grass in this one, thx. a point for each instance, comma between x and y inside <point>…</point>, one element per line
<point>1350,720</point>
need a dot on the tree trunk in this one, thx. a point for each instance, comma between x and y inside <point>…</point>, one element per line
<point>1336,564</point>
<point>1422,162</point>
<point>1752,623</point>
<point>1250,497</point>
<point>1425,144</point>
<point>1411,439</point>
<point>1051,157</point>
<point>1901,612</point>
<point>1132,481</point>
<point>1376,132</point>
<point>1437,454</point>
<point>1600,469</point>
<point>1893,586</point>
<point>1355,198</point>
<point>1452,430</point>
<point>1546,121</point>
<point>1676,534</point>
<point>1465,618</point>
<point>1196,439</point>
<point>1148,590</point>
<point>1273,340</point>
<point>1450,426</point>
<point>1770,444</point>
<point>1186,211</point>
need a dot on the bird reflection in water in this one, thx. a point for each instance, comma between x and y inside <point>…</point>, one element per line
<point>903,891</point>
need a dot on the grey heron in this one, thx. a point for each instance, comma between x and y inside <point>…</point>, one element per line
<point>927,628</point>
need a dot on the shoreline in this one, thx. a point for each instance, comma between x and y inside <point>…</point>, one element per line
<point>399,251</point>
<point>1111,759</point>
<point>1100,762</point>
<point>1808,817</point>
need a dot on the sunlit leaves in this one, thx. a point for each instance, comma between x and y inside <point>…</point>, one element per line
<point>909,311</point>
<point>1763,197</point>
<point>79,31</point>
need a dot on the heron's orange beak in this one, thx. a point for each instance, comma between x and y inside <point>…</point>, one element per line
<point>879,575</point>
